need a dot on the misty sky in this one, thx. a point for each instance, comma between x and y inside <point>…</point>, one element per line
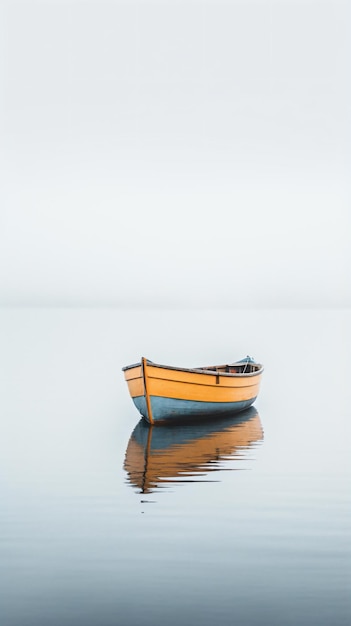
<point>175,153</point>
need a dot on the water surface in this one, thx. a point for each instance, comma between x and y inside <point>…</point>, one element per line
<point>107,522</point>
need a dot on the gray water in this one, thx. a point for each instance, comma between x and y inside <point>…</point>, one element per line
<point>256,531</point>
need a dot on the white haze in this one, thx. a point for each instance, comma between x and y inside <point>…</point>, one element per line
<point>175,153</point>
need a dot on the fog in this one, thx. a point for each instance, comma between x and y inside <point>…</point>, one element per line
<point>175,154</point>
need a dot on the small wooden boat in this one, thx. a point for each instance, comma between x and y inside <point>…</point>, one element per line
<point>165,393</point>
<point>188,451</point>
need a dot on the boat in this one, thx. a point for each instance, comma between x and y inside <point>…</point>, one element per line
<point>189,451</point>
<point>163,393</point>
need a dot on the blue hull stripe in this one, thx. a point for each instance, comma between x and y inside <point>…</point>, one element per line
<point>172,409</point>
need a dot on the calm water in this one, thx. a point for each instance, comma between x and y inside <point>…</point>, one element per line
<point>107,523</point>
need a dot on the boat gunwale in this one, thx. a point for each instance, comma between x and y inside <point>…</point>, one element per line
<point>199,370</point>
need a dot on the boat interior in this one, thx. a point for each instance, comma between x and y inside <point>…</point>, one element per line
<point>234,368</point>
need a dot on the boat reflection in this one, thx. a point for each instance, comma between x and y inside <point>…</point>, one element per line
<point>185,452</point>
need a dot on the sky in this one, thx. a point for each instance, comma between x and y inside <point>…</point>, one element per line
<point>175,154</point>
